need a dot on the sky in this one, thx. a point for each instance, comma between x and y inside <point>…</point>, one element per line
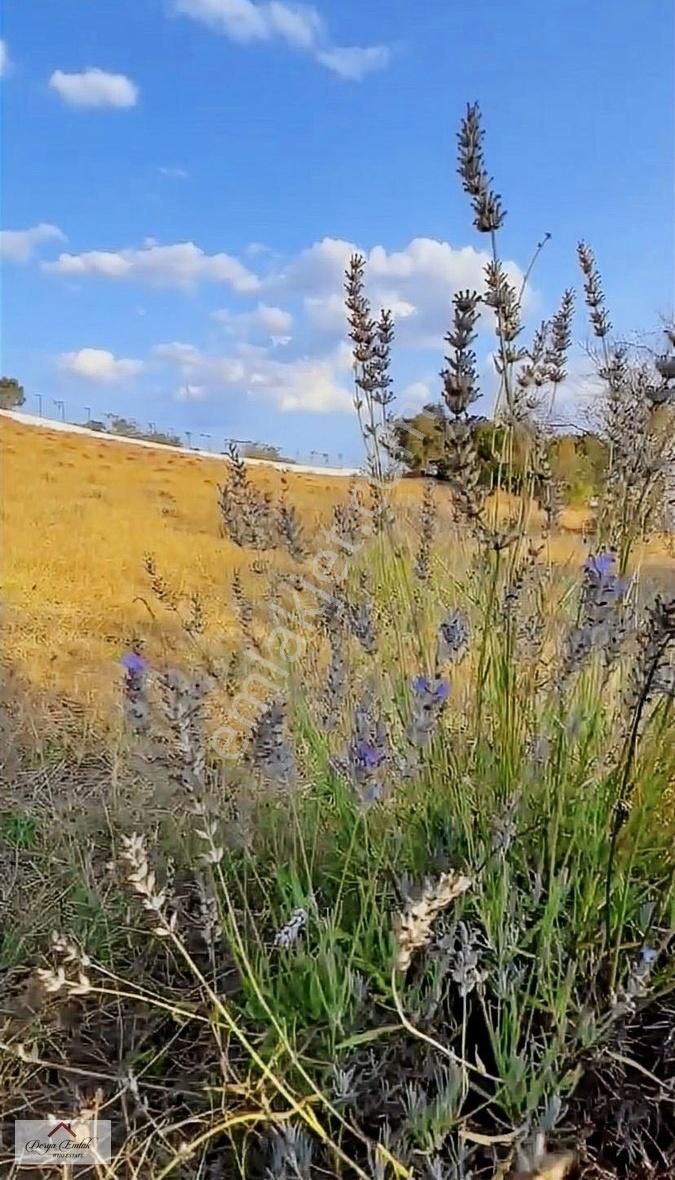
<point>184,182</point>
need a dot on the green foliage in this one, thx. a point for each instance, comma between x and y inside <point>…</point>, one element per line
<point>264,451</point>
<point>578,461</point>
<point>128,428</point>
<point>11,393</point>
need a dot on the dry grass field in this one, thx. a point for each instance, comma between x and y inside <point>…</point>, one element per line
<point>78,516</point>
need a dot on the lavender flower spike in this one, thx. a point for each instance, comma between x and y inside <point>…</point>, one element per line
<point>133,663</point>
<point>601,565</point>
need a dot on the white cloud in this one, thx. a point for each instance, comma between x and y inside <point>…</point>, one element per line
<point>97,364</point>
<point>416,395</point>
<point>94,88</point>
<point>4,58</point>
<point>271,322</point>
<point>297,25</point>
<point>19,245</point>
<point>180,265</point>
<point>353,62</point>
<point>304,384</point>
<point>174,173</point>
<point>416,283</point>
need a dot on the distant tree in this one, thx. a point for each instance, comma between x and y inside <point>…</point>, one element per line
<point>261,451</point>
<point>11,393</point>
<point>128,428</point>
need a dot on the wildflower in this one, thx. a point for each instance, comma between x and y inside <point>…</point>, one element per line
<point>600,565</point>
<point>501,295</point>
<point>269,750</point>
<point>427,529</point>
<point>600,624</point>
<point>488,212</point>
<point>369,758</point>
<point>593,293</point>
<point>460,377</point>
<point>652,674</point>
<point>136,707</point>
<point>362,619</point>
<point>183,699</point>
<point>289,526</point>
<point>413,927</point>
<point>429,697</point>
<point>453,638</point>
<point>133,663</point>
<point>560,337</point>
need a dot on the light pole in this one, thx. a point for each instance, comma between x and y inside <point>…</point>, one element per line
<point>87,413</point>
<point>60,405</point>
<point>188,435</point>
<point>207,436</point>
<point>39,402</point>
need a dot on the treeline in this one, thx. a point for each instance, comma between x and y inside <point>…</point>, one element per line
<point>577,461</point>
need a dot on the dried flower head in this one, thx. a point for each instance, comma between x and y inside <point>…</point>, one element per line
<point>487,207</point>
<point>460,377</point>
<point>426,532</point>
<point>413,927</point>
<point>559,339</point>
<point>593,292</point>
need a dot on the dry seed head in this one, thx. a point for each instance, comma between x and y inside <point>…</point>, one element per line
<point>139,874</point>
<point>487,207</point>
<point>413,927</point>
<point>593,292</point>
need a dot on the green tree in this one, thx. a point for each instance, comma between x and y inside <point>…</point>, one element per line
<point>11,393</point>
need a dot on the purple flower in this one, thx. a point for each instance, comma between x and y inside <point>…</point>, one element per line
<point>133,663</point>
<point>601,565</point>
<point>367,755</point>
<point>437,690</point>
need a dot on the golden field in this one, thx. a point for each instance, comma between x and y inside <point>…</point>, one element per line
<point>78,515</point>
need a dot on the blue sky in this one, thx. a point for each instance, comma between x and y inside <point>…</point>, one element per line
<point>183,181</point>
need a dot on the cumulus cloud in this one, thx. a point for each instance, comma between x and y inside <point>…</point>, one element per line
<point>19,245</point>
<point>416,283</point>
<point>94,88</point>
<point>305,384</point>
<point>269,322</point>
<point>181,265</point>
<point>300,27</point>
<point>97,364</point>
